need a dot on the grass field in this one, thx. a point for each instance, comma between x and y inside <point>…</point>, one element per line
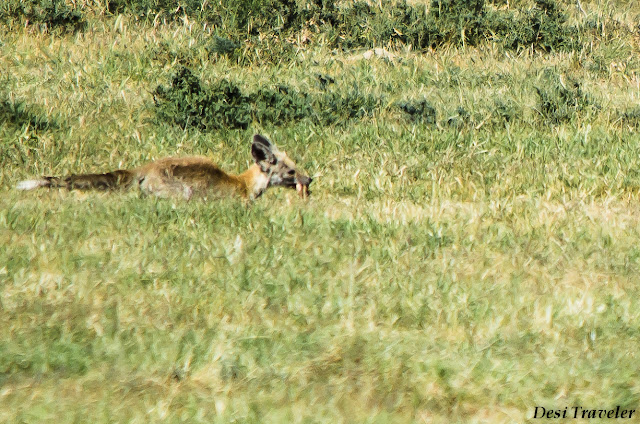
<point>466,266</point>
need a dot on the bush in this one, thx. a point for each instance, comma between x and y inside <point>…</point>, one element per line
<point>49,14</point>
<point>559,102</point>
<point>21,127</point>
<point>418,111</point>
<point>266,24</point>
<point>19,114</point>
<point>223,46</point>
<point>334,107</point>
<point>630,118</point>
<point>281,105</point>
<point>505,111</point>
<point>188,103</point>
<point>460,21</point>
<point>461,119</point>
<point>543,28</point>
<point>232,17</point>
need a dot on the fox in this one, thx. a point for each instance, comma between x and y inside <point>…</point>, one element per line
<point>188,176</point>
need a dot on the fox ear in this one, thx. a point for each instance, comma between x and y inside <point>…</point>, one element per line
<point>262,150</point>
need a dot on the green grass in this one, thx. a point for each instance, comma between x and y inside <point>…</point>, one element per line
<point>464,267</point>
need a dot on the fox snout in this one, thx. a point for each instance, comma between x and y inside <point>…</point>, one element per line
<point>302,185</point>
<point>304,180</point>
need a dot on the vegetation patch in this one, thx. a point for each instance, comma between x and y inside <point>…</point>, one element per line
<point>269,24</point>
<point>21,126</point>
<point>48,14</point>
<point>560,100</point>
<point>459,21</point>
<point>505,110</point>
<point>223,46</point>
<point>444,22</point>
<point>272,27</point>
<point>189,103</point>
<point>460,119</point>
<point>544,27</point>
<point>418,110</point>
<point>630,118</point>
<point>19,114</point>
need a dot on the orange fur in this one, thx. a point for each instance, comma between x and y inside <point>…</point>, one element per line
<point>192,175</point>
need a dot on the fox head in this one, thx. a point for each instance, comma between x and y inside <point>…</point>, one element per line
<point>277,167</point>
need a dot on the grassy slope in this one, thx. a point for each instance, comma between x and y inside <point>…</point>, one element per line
<point>439,273</point>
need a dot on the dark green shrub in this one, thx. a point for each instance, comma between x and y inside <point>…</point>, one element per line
<point>449,22</point>
<point>231,17</point>
<point>362,25</point>
<point>418,111</point>
<point>166,8</point>
<point>324,80</point>
<point>281,105</point>
<point>630,118</point>
<point>21,129</point>
<point>543,28</point>
<point>19,114</point>
<point>167,53</point>
<point>222,46</point>
<point>188,103</point>
<point>269,27</point>
<point>49,14</point>
<point>505,111</point>
<point>459,21</point>
<point>461,119</point>
<point>334,107</point>
<point>560,102</point>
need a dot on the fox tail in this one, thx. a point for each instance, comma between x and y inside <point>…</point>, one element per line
<point>107,181</point>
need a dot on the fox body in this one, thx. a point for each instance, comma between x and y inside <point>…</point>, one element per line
<point>187,176</point>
